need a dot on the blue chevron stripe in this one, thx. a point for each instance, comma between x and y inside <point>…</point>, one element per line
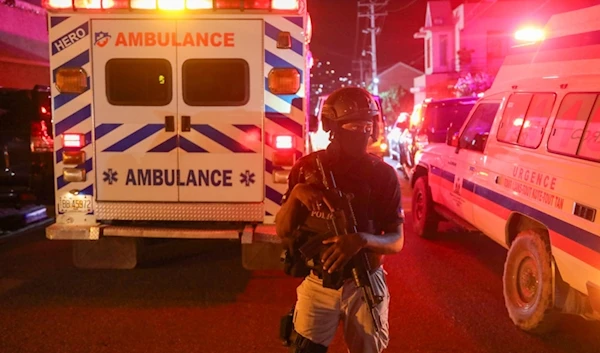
<point>88,166</point>
<point>72,120</point>
<point>58,44</point>
<point>221,138</point>
<point>56,20</point>
<point>104,129</point>
<point>135,138</point>
<point>166,146</point>
<point>76,62</point>
<point>87,191</point>
<point>59,152</point>
<point>284,121</point>
<point>273,195</point>
<point>273,32</point>
<point>297,103</point>
<point>298,21</point>
<point>276,61</point>
<point>250,129</point>
<point>189,146</point>
<point>64,98</point>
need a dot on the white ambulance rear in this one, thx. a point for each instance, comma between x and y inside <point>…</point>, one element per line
<point>175,119</point>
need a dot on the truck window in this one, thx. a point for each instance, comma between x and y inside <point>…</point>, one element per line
<point>216,82</point>
<point>589,146</point>
<point>474,136</point>
<point>139,82</point>
<point>569,130</point>
<point>513,117</point>
<point>536,120</point>
<point>525,118</point>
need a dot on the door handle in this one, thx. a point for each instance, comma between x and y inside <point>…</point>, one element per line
<point>170,123</point>
<point>186,123</point>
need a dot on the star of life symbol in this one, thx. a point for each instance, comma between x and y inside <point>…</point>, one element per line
<point>247,178</point>
<point>101,38</point>
<point>110,176</point>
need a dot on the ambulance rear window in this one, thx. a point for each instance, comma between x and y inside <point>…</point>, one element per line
<point>139,82</point>
<point>215,82</point>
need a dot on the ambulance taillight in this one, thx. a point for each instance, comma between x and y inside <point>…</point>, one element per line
<point>73,157</point>
<point>284,155</point>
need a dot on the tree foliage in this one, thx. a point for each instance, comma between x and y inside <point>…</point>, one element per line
<point>394,101</point>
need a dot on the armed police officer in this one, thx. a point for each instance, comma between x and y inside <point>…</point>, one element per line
<point>332,289</point>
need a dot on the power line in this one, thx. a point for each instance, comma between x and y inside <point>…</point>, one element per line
<point>402,8</point>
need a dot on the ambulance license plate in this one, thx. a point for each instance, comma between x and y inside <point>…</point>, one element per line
<point>75,203</point>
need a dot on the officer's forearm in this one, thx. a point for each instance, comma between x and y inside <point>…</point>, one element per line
<point>387,243</point>
<point>285,221</point>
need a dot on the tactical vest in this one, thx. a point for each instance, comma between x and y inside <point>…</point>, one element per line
<point>355,179</point>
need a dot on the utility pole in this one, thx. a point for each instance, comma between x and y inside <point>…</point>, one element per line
<point>369,6</point>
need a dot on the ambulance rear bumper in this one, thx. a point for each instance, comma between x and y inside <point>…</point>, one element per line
<point>94,232</point>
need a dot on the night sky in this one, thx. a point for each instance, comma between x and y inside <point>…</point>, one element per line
<point>335,29</point>
<point>336,37</point>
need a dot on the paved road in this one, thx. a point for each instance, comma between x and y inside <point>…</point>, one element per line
<point>446,297</point>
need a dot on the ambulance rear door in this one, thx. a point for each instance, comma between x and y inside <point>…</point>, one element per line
<point>178,108</point>
<point>221,110</point>
<point>135,108</point>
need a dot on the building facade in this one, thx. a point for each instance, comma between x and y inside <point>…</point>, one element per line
<point>24,59</point>
<point>470,40</point>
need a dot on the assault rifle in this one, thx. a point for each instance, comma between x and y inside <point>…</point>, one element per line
<point>342,221</point>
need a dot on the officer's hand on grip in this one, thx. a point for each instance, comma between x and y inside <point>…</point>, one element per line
<point>309,196</point>
<point>341,251</point>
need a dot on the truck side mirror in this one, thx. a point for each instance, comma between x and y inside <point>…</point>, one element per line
<point>313,123</point>
<point>454,140</point>
<point>452,136</point>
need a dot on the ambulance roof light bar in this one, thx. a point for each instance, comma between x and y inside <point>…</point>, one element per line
<point>77,5</point>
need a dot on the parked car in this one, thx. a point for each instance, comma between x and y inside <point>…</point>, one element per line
<point>26,144</point>
<point>429,124</point>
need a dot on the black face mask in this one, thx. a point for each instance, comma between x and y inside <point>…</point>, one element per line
<point>351,144</point>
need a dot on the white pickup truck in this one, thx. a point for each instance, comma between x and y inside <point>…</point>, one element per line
<point>524,170</point>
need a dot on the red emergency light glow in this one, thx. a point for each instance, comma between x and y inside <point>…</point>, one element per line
<point>73,140</point>
<point>284,5</point>
<point>284,142</point>
<point>530,34</point>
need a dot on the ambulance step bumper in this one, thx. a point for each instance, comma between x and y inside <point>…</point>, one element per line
<point>65,232</point>
<point>68,232</point>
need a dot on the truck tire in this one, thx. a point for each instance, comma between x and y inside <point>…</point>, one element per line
<point>528,283</point>
<point>425,219</point>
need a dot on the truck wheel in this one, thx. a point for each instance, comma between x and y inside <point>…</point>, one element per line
<point>425,219</point>
<point>528,283</point>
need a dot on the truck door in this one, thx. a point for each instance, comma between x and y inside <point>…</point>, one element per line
<point>135,105</point>
<point>220,110</point>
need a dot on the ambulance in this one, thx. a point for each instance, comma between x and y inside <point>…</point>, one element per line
<point>174,119</point>
<point>525,171</point>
